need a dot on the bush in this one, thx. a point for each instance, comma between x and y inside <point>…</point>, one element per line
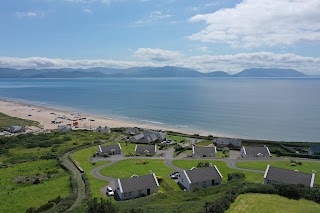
<point>105,206</point>
<point>236,176</point>
<point>105,155</point>
<point>203,164</point>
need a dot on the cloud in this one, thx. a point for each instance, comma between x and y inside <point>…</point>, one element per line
<point>155,16</point>
<point>28,14</point>
<point>156,54</point>
<point>157,57</point>
<point>87,10</point>
<point>258,23</point>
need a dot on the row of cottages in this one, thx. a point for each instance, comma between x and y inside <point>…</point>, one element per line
<point>314,150</point>
<point>146,150</point>
<point>131,131</point>
<point>228,142</point>
<point>136,186</point>
<point>255,152</point>
<point>112,149</point>
<point>105,130</point>
<point>202,151</point>
<point>274,175</point>
<point>148,138</point>
<point>197,178</point>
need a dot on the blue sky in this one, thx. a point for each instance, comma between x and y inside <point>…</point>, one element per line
<point>206,35</point>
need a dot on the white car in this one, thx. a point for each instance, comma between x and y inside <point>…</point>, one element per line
<point>110,192</point>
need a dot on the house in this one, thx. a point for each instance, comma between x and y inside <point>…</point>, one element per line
<point>106,130</point>
<point>131,131</point>
<point>228,142</point>
<point>64,128</point>
<point>112,149</point>
<point>314,150</point>
<point>197,178</point>
<point>148,138</point>
<point>255,152</point>
<point>16,129</point>
<point>136,186</point>
<point>203,151</point>
<point>274,175</point>
<point>146,150</point>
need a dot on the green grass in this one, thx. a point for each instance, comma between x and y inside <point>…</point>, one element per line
<point>82,158</point>
<point>7,121</point>
<point>177,139</point>
<point>18,198</point>
<point>126,168</point>
<point>306,167</point>
<point>223,168</point>
<point>204,143</point>
<point>265,203</point>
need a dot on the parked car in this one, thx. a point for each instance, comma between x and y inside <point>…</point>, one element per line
<point>110,192</point>
<point>174,175</point>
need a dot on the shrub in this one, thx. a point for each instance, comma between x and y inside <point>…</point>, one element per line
<point>236,176</point>
<point>203,164</point>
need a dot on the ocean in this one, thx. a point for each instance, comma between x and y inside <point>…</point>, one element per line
<point>271,109</point>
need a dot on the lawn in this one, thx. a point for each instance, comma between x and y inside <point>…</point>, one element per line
<point>306,167</point>
<point>261,203</point>
<point>177,139</point>
<point>126,168</point>
<point>223,168</point>
<point>18,197</point>
<point>7,121</point>
<point>204,143</point>
<point>82,158</point>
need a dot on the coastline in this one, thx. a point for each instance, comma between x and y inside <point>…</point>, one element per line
<point>44,115</point>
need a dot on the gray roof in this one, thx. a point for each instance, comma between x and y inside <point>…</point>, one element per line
<point>315,149</point>
<point>253,151</point>
<point>146,149</point>
<point>197,175</point>
<point>15,129</point>
<point>287,176</point>
<point>227,141</point>
<point>202,150</point>
<point>149,136</point>
<point>138,183</point>
<point>131,130</point>
<point>64,128</point>
<point>110,147</point>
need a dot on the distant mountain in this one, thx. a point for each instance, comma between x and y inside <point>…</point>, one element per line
<point>142,72</point>
<point>272,72</point>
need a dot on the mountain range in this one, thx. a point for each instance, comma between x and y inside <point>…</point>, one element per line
<point>144,72</point>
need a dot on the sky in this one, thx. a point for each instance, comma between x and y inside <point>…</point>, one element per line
<point>206,35</point>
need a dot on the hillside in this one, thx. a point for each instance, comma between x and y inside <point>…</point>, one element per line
<point>272,72</point>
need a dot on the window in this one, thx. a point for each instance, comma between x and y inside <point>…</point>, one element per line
<point>140,192</point>
<point>125,194</point>
<point>203,184</point>
<point>130,194</point>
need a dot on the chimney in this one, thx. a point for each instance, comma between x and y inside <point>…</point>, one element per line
<point>210,164</point>
<point>150,171</point>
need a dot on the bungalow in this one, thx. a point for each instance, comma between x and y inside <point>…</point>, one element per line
<point>148,138</point>
<point>106,130</point>
<point>136,186</point>
<point>131,131</point>
<point>228,142</point>
<point>202,151</point>
<point>113,149</point>
<point>197,178</point>
<point>314,150</point>
<point>274,175</point>
<point>64,128</point>
<point>145,150</point>
<point>16,129</point>
<point>255,152</point>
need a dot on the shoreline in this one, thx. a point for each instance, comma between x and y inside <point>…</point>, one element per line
<point>43,114</point>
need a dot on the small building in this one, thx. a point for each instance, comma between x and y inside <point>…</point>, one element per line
<point>146,150</point>
<point>274,175</point>
<point>204,151</point>
<point>255,152</point>
<point>148,137</point>
<point>112,149</point>
<point>131,131</point>
<point>16,129</point>
<point>136,186</point>
<point>64,128</point>
<point>197,178</point>
<point>314,150</point>
<point>228,142</point>
<point>105,130</point>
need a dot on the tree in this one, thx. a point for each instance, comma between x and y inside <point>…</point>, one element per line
<point>104,206</point>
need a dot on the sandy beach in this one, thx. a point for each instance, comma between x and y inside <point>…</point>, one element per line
<point>46,115</point>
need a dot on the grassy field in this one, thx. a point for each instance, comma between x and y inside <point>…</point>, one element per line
<point>265,203</point>
<point>18,197</point>
<point>7,121</point>
<point>204,143</point>
<point>82,158</point>
<point>223,168</point>
<point>177,139</point>
<point>126,168</point>
<point>306,167</point>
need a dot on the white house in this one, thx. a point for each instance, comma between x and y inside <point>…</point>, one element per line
<point>203,151</point>
<point>145,150</point>
<point>255,152</point>
<point>106,130</point>
<point>314,150</point>
<point>228,142</point>
<point>136,186</point>
<point>274,175</point>
<point>112,149</point>
<point>197,178</point>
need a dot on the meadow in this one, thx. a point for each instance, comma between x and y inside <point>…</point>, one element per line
<point>7,121</point>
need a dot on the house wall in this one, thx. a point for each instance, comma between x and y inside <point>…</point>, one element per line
<point>135,194</point>
<point>204,184</point>
<point>201,156</point>
<point>182,180</point>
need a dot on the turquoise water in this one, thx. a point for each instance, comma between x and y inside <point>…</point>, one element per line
<point>275,109</point>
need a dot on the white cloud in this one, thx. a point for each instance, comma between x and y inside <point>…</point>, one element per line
<point>156,54</point>
<point>28,14</point>
<point>155,16</point>
<point>87,10</point>
<point>256,23</point>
